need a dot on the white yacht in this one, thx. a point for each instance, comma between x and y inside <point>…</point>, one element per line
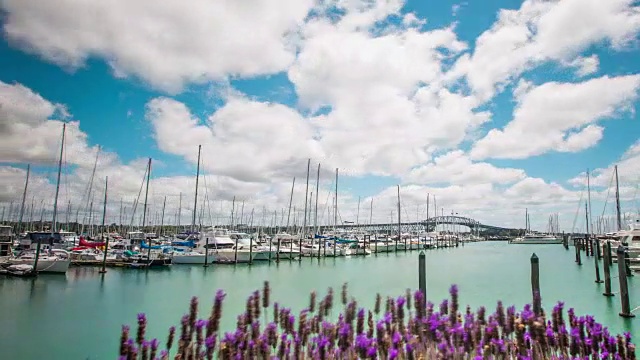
<point>535,238</point>
<point>288,249</point>
<point>225,248</point>
<point>49,260</point>
<point>193,257</point>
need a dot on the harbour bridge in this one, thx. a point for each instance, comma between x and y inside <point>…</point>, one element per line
<point>448,221</point>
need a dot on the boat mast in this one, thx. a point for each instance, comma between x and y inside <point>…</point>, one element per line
<point>358,213</point>
<point>24,197</point>
<point>335,206</point>
<point>89,195</point>
<point>399,221</point>
<point>179,212</point>
<point>618,217</point>
<point>293,184</point>
<point>195,200</point>
<point>306,198</point>
<point>146,196</point>
<point>589,219</point>
<point>315,212</point>
<point>164,204</point>
<point>104,208</point>
<point>55,199</point>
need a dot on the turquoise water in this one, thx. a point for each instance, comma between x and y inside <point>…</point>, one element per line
<point>79,316</point>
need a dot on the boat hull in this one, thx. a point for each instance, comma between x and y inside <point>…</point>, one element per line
<point>193,259</point>
<point>536,241</point>
<point>54,266</point>
<point>226,257</point>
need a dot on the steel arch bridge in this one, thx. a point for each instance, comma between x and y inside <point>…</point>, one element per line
<point>425,225</point>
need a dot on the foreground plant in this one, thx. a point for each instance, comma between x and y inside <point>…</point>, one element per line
<point>409,328</point>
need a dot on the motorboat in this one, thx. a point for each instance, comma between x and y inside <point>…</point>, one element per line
<point>534,238</point>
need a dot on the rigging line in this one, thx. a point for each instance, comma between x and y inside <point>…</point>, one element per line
<point>207,198</point>
<point>606,200</point>
<point>575,219</point>
<point>135,203</point>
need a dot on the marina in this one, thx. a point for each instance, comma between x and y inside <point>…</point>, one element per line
<point>86,308</point>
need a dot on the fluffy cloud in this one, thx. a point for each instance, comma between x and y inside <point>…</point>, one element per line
<point>559,116</point>
<point>163,42</point>
<point>585,65</point>
<point>31,129</point>
<point>388,108</point>
<point>456,168</point>
<point>246,139</point>
<point>628,171</point>
<point>543,31</point>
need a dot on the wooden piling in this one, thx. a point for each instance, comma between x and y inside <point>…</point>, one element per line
<point>535,283</point>
<point>607,272</point>
<point>235,253</point>
<point>609,252</point>
<point>206,252</point>
<point>596,261</point>
<point>578,255</point>
<point>627,264</point>
<point>251,246</point>
<point>622,278</point>
<point>422,273</point>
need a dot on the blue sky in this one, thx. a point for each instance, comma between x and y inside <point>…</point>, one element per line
<point>107,81</point>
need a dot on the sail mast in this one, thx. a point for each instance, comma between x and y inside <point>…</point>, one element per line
<point>589,219</point>
<point>618,215</point>
<point>146,196</point>
<point>55,199</point>
<point>306,199</point>
<point>24,197</point>
<point>195,200</point>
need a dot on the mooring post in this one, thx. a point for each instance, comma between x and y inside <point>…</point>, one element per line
<point>422,273</point>
<point>627,263</point>
<point>206,252</point>
<point>535,283</point>
<point>609,252</point>
<point>622,278</point>
<point>579,256</point>
<point>596,262</point>
<point>607,272</point>
<point>598,249</point>
<point>565,241</point>
<point>235,254</point>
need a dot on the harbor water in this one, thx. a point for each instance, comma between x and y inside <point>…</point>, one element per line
<point>79,316</point>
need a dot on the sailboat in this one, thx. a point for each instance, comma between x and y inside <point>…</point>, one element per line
<point>47,259</point>
<point>536,238</point>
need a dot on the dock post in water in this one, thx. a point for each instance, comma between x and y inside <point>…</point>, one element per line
<point>609,252</point>
<point>578,255</point>
<point>535,283</point>
<point>594,244</point>
<point>622,278</point>
<point>235,253</point>
<point>607,271</point>
<point>627,263</point>
<point>422,273</point>
<point>206,252</point>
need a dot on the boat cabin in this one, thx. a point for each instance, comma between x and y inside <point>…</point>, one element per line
<point>6,240</point>
<point>135,237</point>
<point>44,238</point>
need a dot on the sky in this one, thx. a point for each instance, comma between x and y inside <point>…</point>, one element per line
<point>489,109</point>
